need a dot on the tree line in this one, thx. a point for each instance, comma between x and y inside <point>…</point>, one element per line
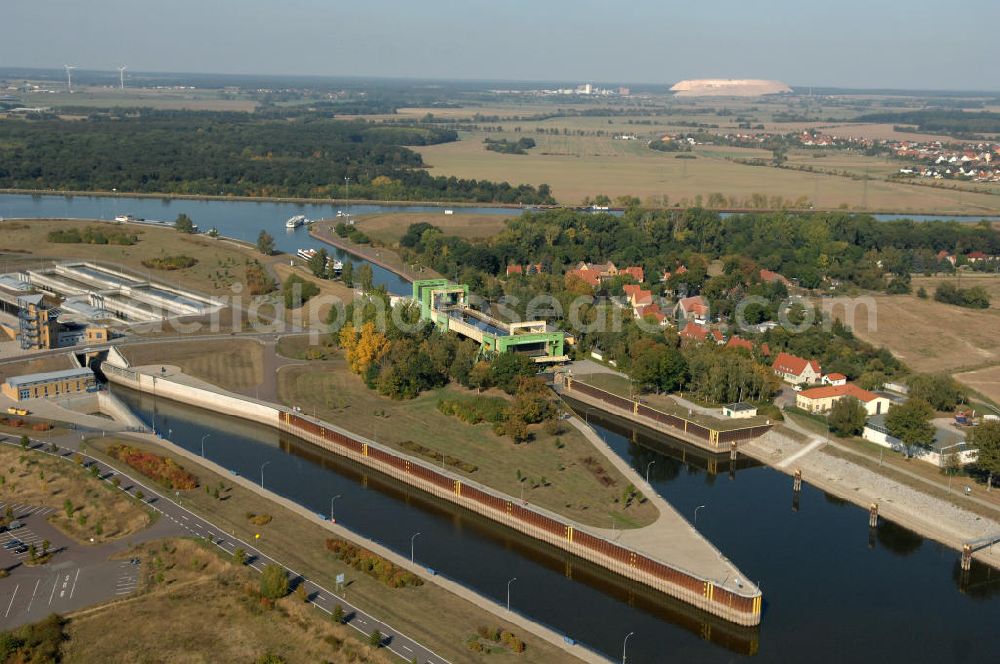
<point>226,153</point>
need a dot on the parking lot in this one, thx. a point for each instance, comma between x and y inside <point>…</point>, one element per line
<point>76,577</point>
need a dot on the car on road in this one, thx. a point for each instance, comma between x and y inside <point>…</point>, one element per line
<point>14,525</point>
<point>21,549</point>
<point>13,544</point>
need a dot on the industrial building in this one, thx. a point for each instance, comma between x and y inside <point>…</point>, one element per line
<point>50,384</point>
<point>447,306</point>
<point>76,302</point>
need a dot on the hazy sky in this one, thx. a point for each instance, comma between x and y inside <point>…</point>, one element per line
<point>939,44</point>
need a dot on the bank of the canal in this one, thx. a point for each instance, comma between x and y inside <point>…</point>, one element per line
<point>824,574</point>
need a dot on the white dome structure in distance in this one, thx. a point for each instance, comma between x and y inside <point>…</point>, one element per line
<point>729,87</point>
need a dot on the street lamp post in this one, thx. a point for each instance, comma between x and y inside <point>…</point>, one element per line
<point>262,473</point>
<point>696,513</point>
<point>625,643</point>
<point>508,592</point>
<point>203,444</point>
<point>648,465</point>
<point>412,538</point>
<point>331,505</point>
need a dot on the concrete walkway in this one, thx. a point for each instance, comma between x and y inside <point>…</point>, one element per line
<point>671,538</point>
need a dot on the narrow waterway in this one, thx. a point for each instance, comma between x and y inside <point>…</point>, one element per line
<point>834,591</point>
<point>242,220</point>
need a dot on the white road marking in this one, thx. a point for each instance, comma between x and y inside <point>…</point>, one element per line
<point>55,582</point>
<point>73,589</point>
<point>32,600</point>
<point>16,588</point>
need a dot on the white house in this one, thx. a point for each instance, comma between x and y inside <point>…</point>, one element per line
<point>796,370</point>
<point>947,444</point>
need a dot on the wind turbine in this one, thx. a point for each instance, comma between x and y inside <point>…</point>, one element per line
<point>121,72</point>
<point>69,76</point>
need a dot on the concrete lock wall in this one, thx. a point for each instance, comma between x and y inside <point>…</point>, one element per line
<point>742,609</point>
<point>683,429</point>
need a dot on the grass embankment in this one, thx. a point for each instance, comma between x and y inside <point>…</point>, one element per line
<point>621,386</point>
<point>233,364</point>
<point>85,506</point>
<point>560,472</point>
<point>219,263</point>
<point>427,613</point>
<point>190,590</point>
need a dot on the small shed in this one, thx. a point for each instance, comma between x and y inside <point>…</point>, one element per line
<point>739,410</point>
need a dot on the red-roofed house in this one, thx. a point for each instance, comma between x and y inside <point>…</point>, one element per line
<point>821,399</point>
<point>976,256</point>
<point>637,297</point>
<point>835,379</point>
<point>654,312</point>
<point>796,370</point>
<point>692,308</point>
<point>945,256</point>
<point>739,342</point>
<point>769,277</point>
<point>588,276</point>
<point>634,271</point>
<point>699,333</point>
<point>667,274</point>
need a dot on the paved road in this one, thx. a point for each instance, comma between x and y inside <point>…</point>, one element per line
<point>323,598</point>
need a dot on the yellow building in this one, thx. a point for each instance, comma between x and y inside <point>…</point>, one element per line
<point>821,399</point>
<point>50,384</point>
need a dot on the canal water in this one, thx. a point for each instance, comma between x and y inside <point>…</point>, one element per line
<point>244,220</point>
<point>834,590</point>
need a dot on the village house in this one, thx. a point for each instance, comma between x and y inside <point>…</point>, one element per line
<point>769,277</point>
<point>652,311</point>
<point>593,274</point>
<point>699,333</point>
<point>821,399</point>
<point>737,341</point>
<point>949,445</point>
<point>667,274</point>
<point>636,296</point>
<point>796,370</point>
<point>834,379</point>
<point>945,256</point>
<point>693,308</point>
